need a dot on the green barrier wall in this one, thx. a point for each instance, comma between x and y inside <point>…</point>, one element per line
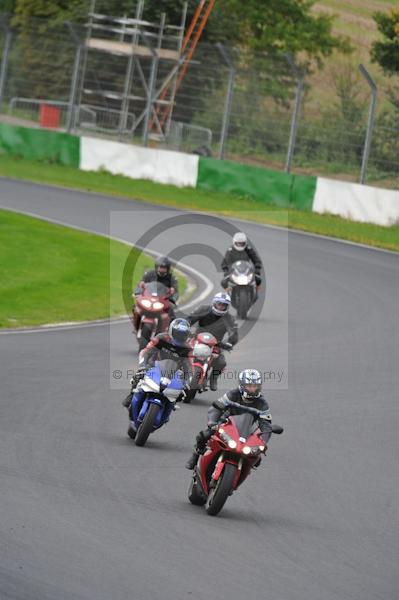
<point>40,144</point>
<point>272,187</point>
<point>303,191</point>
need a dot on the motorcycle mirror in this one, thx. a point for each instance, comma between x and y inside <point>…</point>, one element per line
<point>277,429</point>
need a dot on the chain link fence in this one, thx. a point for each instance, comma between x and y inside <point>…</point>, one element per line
<point>339,121</point>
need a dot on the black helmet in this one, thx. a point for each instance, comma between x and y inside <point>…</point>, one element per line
<point>163,266</point>
<point>179,330</point>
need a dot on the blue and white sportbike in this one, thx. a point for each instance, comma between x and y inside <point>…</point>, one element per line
<point>154,400</point>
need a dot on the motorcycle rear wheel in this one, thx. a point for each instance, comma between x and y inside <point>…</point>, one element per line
<point>147,425</point>
<point>219,494</point>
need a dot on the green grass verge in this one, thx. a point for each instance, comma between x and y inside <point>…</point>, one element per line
<point>52,274</point>
<point>190,199</point>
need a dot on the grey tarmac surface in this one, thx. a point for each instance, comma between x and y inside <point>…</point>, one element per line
<point>85,515</point>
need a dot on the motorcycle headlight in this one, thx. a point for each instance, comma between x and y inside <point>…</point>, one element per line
<point>232,444</point>
<point>157,306</point>
<point>146,303</point>
<point>246,450</point>
<point>240,279</point>
<point>261,448</point>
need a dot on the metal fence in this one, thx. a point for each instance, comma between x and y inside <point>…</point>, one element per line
<point>233,104</point>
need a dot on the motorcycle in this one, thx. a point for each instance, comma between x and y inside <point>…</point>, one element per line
<point>151,311</point>
<point>233,450</point>
<point>154,400</point>
<point>205,349</point>
<point>242,287</point>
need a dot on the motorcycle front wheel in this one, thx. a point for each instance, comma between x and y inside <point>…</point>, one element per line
<point>147,425</point>
<point>224,487</point>
<point>243,303</point>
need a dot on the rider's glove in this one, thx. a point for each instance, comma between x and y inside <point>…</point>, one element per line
<point>139,374</point>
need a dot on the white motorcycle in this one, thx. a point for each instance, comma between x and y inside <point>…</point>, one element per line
<point>242,287</point>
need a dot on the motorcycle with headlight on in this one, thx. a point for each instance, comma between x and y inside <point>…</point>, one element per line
<point>154,400</point>
<point>232,451</point>
<point>151,311</point>
<point>205,349</point>
<point>242,287</point>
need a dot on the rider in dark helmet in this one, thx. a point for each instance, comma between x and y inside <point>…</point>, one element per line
<point>248,393</point>
<point>162,273</point>
<point>241,250</point>
<point>216,319</point>
<point>172,345</point>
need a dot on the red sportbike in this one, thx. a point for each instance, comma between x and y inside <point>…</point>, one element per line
<point>205,349</point>
<point>232,451</point>
<point>151,311</point>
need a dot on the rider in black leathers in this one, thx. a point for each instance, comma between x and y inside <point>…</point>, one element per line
<point>248,393</point>
<point>241,250</point>
<point>162,273</point>
<point>216,319</point>
<point>172,345</point>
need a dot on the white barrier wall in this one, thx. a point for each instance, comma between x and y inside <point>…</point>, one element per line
<point>161,166</point>
<point>357,202</point>
<point>348,200</point>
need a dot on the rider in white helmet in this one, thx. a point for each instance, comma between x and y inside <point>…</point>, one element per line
<point>241,250</point>
<point>216,319</point>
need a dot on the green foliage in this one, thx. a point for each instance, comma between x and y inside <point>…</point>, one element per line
<point>385,147</point>
<point>56,11</point>
<point>385,52</point>
<point>285,26</point>
<point>267,25</point>
<point>7,6</point>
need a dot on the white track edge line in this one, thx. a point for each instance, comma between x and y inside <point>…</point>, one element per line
<point>97,322</point>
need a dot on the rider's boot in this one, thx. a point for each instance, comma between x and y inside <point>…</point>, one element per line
<point>192,461</point>
<point>126,402</point>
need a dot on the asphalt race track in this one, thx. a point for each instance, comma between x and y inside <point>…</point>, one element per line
<point>86,515</point>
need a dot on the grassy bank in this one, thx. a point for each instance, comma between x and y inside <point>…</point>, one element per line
<point>51,273</point>
<point>190,199</point>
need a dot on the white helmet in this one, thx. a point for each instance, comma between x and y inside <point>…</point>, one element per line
<point>240,241</point>
<point>220,304</point>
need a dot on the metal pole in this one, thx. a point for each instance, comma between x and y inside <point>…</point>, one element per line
<point>179,49</point>
<point>228,101</point>
<point>370,122</point>
<point>129,74</point>
<point>74,86</point>
<point>84,66</point>
<point>151,87</point>
<point>295,115</point>
<point>4,64</point>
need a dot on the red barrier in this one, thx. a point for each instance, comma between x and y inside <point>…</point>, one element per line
<point>49,116</point>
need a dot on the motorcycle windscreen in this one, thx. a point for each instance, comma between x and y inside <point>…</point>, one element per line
<point>167,370</point>
<point>154,288</point>
<point>245,424</point>
<point>242,267</point>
